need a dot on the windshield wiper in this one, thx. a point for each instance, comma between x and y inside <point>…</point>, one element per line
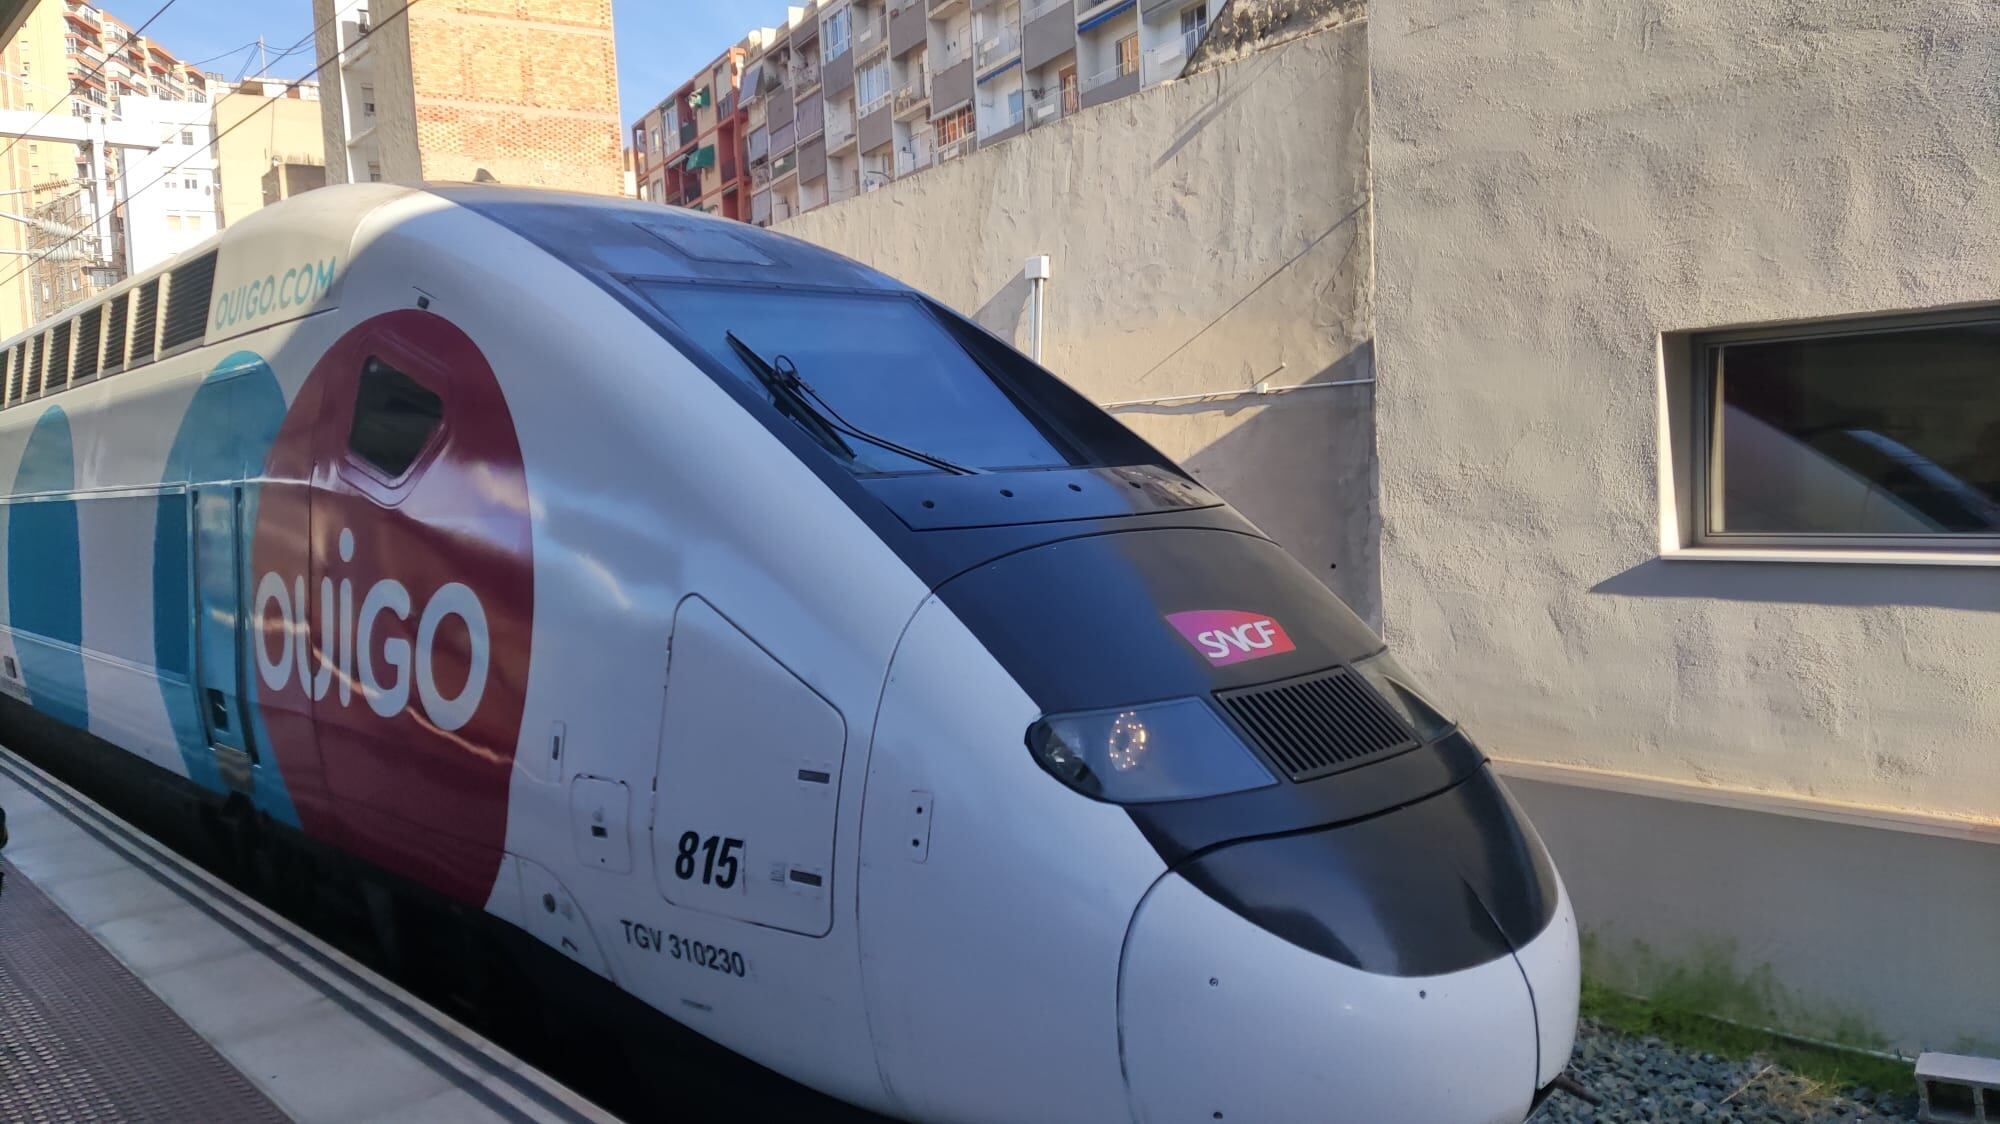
<point>795,398</point>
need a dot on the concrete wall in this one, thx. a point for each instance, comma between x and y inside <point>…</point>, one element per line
<point>1182,267</point>
<point>1557,186</point>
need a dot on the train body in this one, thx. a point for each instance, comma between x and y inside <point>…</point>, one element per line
<point>779,647</point>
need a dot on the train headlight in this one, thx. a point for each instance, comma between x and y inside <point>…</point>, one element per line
<point>1399,690</point>
<point>1176,750</point>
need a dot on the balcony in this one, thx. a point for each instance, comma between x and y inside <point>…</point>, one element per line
<point>688,132</point>
<point>997,119</point>
<point>944,7</point>
<point>839,132</point>
<point>871,35</point>
<point>1036,9</point>
<point>784,165</point>
<point>1050,105</point>
<point>913,97</point>
<point>907,161</point>
<point>760,175</point>
<point>952,150</point>
<point>1110,85</point>
<point>804,76</point>
<point>997,48</point>
<point>873,104</point>
<point>953,52</point>
<point>1167,61</point>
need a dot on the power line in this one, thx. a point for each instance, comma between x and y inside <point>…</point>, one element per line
<point>95,72</point>
<point>294,84</point>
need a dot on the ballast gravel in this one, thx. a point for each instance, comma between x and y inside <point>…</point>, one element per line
<point>1646,1079</point>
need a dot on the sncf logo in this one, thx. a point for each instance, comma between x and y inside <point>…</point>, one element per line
<point>1227,636</point>
<point>347,646</point>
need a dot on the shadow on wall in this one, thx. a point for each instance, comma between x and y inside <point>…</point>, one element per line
<point>1005,313</point>
<point>1810,583</point>
<point>1302,467</point>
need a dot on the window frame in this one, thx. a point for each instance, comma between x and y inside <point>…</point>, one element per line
<point>1707,368</point>
<point>385,489</point>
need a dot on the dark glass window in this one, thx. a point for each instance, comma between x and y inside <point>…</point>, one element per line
<point>394,418</point>
<point>1869,433</point>
<point>881,362</point>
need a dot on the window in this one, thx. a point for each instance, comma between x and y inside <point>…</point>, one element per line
<point>368,101</point>
<point>834,30</point>
<point>871,86</point>
<point>1194,21</point>
<point>1875,434</point>
<point>374,172</point>
<point>394,418</point>
<point>1128,55</point>
<point>884,363</point>
<point>187,136</point>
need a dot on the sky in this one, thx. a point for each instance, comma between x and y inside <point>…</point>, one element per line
<point>660,42</point>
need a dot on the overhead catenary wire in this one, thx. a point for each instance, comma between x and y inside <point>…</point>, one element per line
<point>290,86</point>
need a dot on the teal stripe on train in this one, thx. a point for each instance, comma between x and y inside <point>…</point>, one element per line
<point>45,573</point>
<point>224,438</point>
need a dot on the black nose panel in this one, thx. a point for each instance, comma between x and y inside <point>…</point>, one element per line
<point>1441,885</point>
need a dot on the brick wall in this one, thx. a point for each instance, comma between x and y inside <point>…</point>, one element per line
<point>525,91</point>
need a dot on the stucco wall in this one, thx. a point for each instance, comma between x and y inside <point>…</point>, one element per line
<point>1557,186</point>
<point>1205,234</point>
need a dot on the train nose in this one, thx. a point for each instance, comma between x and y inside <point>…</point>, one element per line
<point>1417,966</point>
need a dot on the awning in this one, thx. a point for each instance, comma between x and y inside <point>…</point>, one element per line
<point>703,157</point>
<point>1103,16</point>
<point>750,82</point>
<point>701,97</point>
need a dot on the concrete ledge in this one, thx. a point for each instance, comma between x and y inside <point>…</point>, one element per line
<point>1850,924</point>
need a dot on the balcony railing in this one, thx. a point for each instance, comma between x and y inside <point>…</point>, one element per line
<point>785,165</point>
<point>952,150</point>
<point>839,131</point>
<point>873,104</point>
<point>760,175</point>
<point>1106,77</point>
<point>1169,59</point>
<point>1045,107</point>
<point>998,119</point>
<point>997,47</point>
<point>689,131</point>
<point>914,93</point>
<point>1036,9</point>
<point>805,75</point>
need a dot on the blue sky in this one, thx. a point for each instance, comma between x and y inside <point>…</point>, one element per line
<point>660,42</point>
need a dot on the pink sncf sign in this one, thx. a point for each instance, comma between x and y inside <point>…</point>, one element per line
<point>1227,636</point>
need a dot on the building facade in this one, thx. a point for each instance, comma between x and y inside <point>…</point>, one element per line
<point>172,204</point>
<point>282,155</point>
<point>447,90</point>
<point>690,150</point>
<point>78,64</point>
<point>849,95</point>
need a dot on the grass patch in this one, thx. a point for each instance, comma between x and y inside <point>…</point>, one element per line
<point>1831,1066</point>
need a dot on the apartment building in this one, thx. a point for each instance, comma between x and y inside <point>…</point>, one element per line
<point>689,150</point>
<point>172,204</point>
<point>448,90</point>
<point>76,63</point>
<point>849,95</point>
<point>281,156</point>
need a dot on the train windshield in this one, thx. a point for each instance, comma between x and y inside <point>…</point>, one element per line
<point>875,378</point>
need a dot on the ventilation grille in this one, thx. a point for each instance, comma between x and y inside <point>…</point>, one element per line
<point>89,333</point>
<point>34,383</point>
<point>59,355</point>
<point>114,333</point>
<point>17,374</point>
<point>146,327</point>
<point>1318,724</point>
<point>188,290</point>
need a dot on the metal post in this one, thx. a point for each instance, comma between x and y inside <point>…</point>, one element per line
<point>1037,273</point>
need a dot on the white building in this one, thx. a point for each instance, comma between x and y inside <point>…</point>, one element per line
<point>160,219</point>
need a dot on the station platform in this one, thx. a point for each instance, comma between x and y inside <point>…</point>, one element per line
<point>136,986</point>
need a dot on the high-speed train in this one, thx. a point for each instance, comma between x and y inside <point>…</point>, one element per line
<point>781,648</point>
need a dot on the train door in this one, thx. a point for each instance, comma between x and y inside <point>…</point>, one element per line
<point>220,566</point>
<point>749,779</point>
